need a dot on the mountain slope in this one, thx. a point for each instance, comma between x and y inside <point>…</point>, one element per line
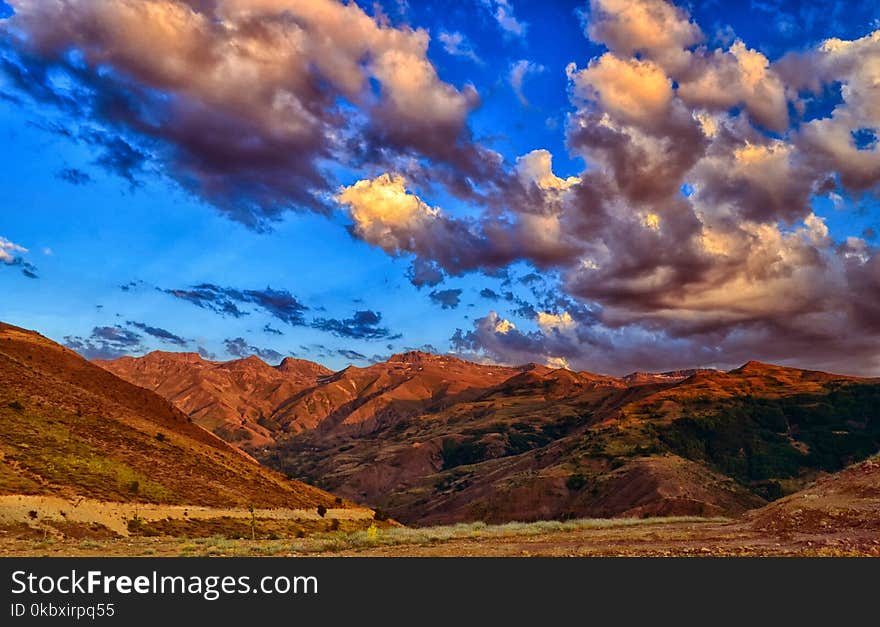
<point>72,429</point>
<point>233,399</point>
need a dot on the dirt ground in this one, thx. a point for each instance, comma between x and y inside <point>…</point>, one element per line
<point>654,539</point>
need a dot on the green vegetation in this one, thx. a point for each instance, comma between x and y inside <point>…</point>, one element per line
<point>759,441</point>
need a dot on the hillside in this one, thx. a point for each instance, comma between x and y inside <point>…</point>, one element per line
<point>435,439</point>
<point>233,399</point>
<point>71,429</point>
<point>849,499</point>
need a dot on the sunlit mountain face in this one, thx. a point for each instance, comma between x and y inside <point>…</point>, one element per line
<point>607,186</point>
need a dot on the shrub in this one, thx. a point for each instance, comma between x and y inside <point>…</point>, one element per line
<point>380,515</point>
<point>134,487</point>
<point>322,511</point>
<point>161,437</point>
<point>16,406</point>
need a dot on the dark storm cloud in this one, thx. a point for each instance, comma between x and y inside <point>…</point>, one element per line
<point>363,325</point>
<point>489,294</point>
<point>239,347</point>
<point>280,304</point>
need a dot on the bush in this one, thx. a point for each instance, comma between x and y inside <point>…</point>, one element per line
<point>161,437</point>
<point>16,406</point>
<point>134,487</point>
<point>322,511</point>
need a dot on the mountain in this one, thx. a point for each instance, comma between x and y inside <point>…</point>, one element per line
<point>251,403</point>
<point>435,439</point>
<point>72,429</point>
<point>233,399</point>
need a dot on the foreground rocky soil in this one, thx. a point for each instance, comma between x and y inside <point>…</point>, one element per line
<point>630,538</point>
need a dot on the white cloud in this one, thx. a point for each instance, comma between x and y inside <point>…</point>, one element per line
<point>9,249</point>
<point>517,76</point>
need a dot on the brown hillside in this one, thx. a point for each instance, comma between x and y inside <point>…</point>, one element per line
<point>233,399</point>
<point>845,500</point>
<point>72,429</point>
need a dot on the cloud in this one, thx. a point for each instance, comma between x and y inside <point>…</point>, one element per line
<point>279,304</point>
<point>269,329</point>
<point>489,294</point>
<point>422,272</point>
<point>632,91</point>
<point>159,333</point>
<point>74,176</point>
<point>652,27</point>
<point>240,348</point>
<point>519,70</point>
<point>536,168</point>
<point>363,325</point>
<point>690,237</point>
<point>9,255</point>
<point>351,355</point>
<point>242,102</point>
<point>458,45</point>
<point>9,249</point>
<point>502,11</point>
<point>447,299</point>
<point>110,342</point>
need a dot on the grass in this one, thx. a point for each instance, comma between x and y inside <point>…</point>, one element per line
<point>331,542</point>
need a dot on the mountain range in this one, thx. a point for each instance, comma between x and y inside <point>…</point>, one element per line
<point>436,439</point>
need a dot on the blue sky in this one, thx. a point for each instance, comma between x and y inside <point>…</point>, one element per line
<point>88,230</point>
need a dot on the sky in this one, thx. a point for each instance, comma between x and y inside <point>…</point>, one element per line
<point>609,185</point>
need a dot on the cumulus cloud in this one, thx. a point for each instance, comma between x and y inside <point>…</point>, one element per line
<point>691,237</point>
<point>241,102</point>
